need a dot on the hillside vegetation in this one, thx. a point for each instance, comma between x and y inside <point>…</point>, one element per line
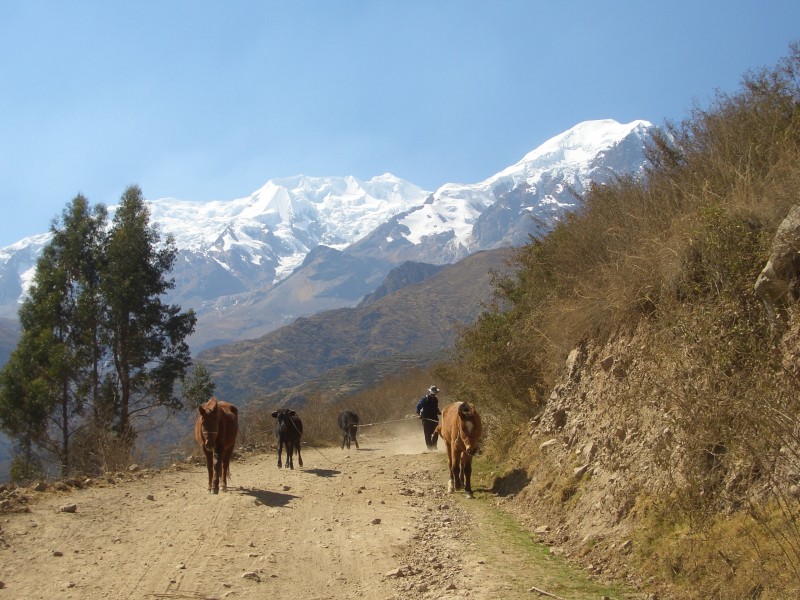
<point>644,404</point>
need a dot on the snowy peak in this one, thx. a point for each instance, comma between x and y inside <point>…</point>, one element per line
<point>590,151</point>
<point>284,219</point>
<point>345,208</point>
<point>581,143</point>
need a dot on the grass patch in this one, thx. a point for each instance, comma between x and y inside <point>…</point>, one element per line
<point>512,550</point>
<point>509,548</point>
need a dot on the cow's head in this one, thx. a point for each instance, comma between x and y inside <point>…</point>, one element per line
<point>283,414</point>
<point>469,423</point>
<point>209,423</point>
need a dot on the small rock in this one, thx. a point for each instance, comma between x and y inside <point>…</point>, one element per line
<point>286,488</point>
<point>58,553</point>
<point>40,487</point>
<point>579,472</point>
<point>548,444</point>
<point>180,566</point>
<point>376,521</point>
<point>452,586</point>
<point>69,508</point>
<point>251,575</point>
<point>398,572</point>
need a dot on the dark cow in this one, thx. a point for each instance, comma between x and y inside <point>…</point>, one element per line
<point>461,431</point>
<point>215,430</point>
<point>288,431</point>
<point>348,423</point>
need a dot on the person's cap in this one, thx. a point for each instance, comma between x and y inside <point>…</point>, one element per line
<point>433,390</point>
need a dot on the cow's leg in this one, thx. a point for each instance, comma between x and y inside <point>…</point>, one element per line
<point>345,441</point>
<point>280,451</point>
<point>458,477</point>
<point>217,468</point>
<point>467,470</point>
<point>226,465</point>
<point>299,456</point>
<point>354,434</point>
<point>449,466</point>
<point>209,467</point>
<point>290,455</point>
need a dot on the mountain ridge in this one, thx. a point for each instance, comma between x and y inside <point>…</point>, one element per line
<point>242,263</point>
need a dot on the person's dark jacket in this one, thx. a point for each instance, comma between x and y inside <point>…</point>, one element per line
<point>428,407</point>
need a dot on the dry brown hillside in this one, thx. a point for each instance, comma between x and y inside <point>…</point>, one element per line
<point>639,370</point>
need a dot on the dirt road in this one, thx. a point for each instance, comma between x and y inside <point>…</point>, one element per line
<point>372,524</point>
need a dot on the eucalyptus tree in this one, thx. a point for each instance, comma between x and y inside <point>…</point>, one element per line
<point>98,344</point>
<point>146,337</point>
<point>46,385</point>
<point>198,387</point>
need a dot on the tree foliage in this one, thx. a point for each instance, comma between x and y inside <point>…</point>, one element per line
<point>98,345</point>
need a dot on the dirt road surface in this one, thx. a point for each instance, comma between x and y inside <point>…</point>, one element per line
<point>374,523</point>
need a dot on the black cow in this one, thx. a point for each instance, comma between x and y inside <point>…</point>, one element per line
<point>348,423</point>
<point>288,431</point>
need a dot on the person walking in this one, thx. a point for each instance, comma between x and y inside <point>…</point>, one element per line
<point>428,411</point>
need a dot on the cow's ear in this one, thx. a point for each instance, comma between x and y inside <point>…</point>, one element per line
<point>292,413</point>
<point>201,410</point>
<point>274,414</point>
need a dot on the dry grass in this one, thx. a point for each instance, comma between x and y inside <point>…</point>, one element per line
<point>678,252</point>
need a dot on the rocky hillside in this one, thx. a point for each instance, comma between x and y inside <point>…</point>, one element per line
<point>639,377</point>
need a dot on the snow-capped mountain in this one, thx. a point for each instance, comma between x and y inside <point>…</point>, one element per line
<point>524,199</point>
<point>277,225</point>
<point>230,247</point>
<point>303,244</point>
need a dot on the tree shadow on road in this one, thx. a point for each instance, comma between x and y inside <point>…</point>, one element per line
<point>267,497</point>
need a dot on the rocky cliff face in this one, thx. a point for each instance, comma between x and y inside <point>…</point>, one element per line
<point>591,459</point>
<point>627,429</point>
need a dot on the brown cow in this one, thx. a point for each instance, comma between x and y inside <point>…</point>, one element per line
<point>215,430</point>
<point>461,431</point>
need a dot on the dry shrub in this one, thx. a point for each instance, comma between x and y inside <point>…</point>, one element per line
<point>735,557</point>
<point>96,450</point>
<point>677,252</point>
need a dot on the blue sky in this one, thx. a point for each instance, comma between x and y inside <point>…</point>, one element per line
<point>203,100</point>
